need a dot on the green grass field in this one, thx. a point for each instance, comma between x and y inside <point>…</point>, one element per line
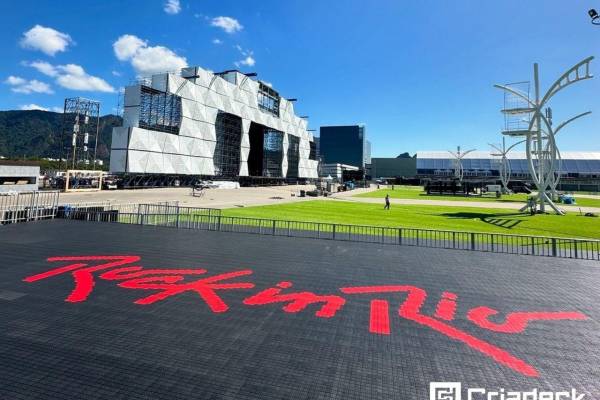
<point>416,192</point>
<point>428,217</point>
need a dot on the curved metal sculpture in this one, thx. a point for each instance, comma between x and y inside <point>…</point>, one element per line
<point>505,168</point>
<point>458,167</point>
<point>543,156</point>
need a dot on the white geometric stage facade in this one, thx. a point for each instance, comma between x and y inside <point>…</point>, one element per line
<point>174,123</point>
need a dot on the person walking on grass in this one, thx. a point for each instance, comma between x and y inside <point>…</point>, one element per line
<point>387,202</point>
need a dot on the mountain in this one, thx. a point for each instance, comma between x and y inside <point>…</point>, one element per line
<point>34,133</point>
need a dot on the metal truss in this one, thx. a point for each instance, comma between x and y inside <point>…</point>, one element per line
<point>272,153</point>
<point>81,123</point>
<point>159,111</point>
<point>293,156</point>
<point>227,149</point>
<point>268,99</point>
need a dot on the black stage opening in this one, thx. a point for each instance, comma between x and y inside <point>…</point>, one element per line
<point>266,151</point>
<point>255,157</point>
<point>112,311</point>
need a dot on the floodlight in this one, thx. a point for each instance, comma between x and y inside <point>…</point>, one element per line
<point>594,16</point>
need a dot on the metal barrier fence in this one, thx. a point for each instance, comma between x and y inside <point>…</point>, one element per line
<point>28,206</point>
<point>107,212</point>
<point>212,219</point>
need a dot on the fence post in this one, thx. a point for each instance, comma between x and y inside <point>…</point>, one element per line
<point>532,246</point>
<point>553,247</point>
<point>138,214</point>
<point>400,236</point>
<point>472,241</point>
<point>576,255</point>
<point>453,240</point>
<point>289,229</point>
<point>31,210</point>
<point>177,218</point>
<point>334,231</point>
<point>319,230</point>
<point>219,222</point>
<point>382,235</point>
<point>492,240</point>
<point>273,231</point>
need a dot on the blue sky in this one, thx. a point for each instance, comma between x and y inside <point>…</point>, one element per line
<point>419,74</point>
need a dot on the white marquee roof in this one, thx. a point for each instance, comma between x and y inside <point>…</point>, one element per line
<point>513,155</point>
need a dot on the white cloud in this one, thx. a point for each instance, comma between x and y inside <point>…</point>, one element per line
<point>116,73</point>
<point>15,80</point>
<point>32,106</point>
<point>47,40</point>
<point>147,60</point>
<point>72,76</point>
<point>127,45</point>
<point>20,85</point>
<point>248,59</point>
<point>217,41</point>
<point>44,67</point>
<point>228,24</point>
<point>172,7</point>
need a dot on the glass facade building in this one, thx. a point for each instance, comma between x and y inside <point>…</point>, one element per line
<point>344,145</point>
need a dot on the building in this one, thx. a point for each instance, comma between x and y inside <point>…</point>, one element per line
<point>219,125</point>
<point>367,153</point>
<point>579,170</point>
<point>18,177</point>
<point>393,167</point>
<point>318,146</point>
<point>337,170</point>
<point>345,145</point>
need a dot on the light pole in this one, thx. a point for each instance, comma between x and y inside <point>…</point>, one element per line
<point>543,156</point>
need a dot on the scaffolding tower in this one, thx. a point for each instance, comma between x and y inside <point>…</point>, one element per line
<point>81,125</point>
<point>517,110</point>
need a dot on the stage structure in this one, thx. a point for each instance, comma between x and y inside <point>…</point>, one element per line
<point>539,136</point>
<point>81,123</point>
<point>458,166</point>
<point>218,125</point>
<point>505,168</point>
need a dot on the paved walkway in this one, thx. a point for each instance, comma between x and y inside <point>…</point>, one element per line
<point>349,196</point>
<point>255,196</point>
<point>215,198</point>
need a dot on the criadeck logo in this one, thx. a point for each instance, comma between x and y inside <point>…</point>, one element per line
<point>444,391</point>
<point>453,391</point>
